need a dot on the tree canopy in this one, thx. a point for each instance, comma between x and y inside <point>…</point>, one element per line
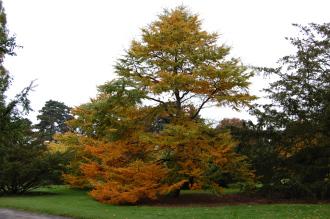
<point>142,137</point>
<point>179,65</point>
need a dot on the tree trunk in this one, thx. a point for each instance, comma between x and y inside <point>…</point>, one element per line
<point>176,193</point>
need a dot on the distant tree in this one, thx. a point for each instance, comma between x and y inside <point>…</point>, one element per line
<point>127,150</point>
<point>52,119</point>
<point>231,123</point>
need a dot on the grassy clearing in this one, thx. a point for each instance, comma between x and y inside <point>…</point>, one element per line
<point>63,201</point>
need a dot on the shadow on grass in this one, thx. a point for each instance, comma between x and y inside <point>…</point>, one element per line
<point>202,199</point>
<point>30,194</point>
<point>42,191</point>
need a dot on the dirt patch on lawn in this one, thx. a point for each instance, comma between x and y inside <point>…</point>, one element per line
<point>210,200</point>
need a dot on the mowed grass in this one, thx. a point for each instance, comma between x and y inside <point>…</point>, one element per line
<point>61,200</point>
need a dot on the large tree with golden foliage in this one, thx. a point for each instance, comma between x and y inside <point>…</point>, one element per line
<point>178,65</point>
<point>145,137</point>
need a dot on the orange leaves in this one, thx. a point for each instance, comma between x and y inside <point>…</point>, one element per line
<point>90,170</point>
<point>121,172</point>
<point>144,165</point>
<point>75,181</point>
<point>128,183</point>
<point>174,186</point>
<point>149,165</point>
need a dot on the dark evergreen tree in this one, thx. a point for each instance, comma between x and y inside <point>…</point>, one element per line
<point>24,164</point>
<point>295,125</point>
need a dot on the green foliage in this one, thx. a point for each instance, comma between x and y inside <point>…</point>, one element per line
<point>24,164</point>
<point>302,91</point>
<point>197,154</point>
<point>111,114</point>
<point>7,43</point>
<point>294,128</point>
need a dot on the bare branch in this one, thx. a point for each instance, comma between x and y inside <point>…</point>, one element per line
<point>204,102</point>
<point>154,99</point>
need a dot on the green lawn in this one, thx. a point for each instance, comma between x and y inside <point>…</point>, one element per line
<point>74,203</point>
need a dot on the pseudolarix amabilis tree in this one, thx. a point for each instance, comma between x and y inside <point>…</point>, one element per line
<point>143,136</point>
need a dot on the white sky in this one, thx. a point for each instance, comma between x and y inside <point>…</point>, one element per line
<point>70,46</point>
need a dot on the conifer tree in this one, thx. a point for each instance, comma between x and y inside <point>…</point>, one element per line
<point>24,164</point>
<point>294,127</point>
<point>52,119</point>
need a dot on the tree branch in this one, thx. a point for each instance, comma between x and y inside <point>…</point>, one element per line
<point>154,99</point>
<point>203,103</point>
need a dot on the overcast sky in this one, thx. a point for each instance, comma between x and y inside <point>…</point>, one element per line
<point>70,46</point>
